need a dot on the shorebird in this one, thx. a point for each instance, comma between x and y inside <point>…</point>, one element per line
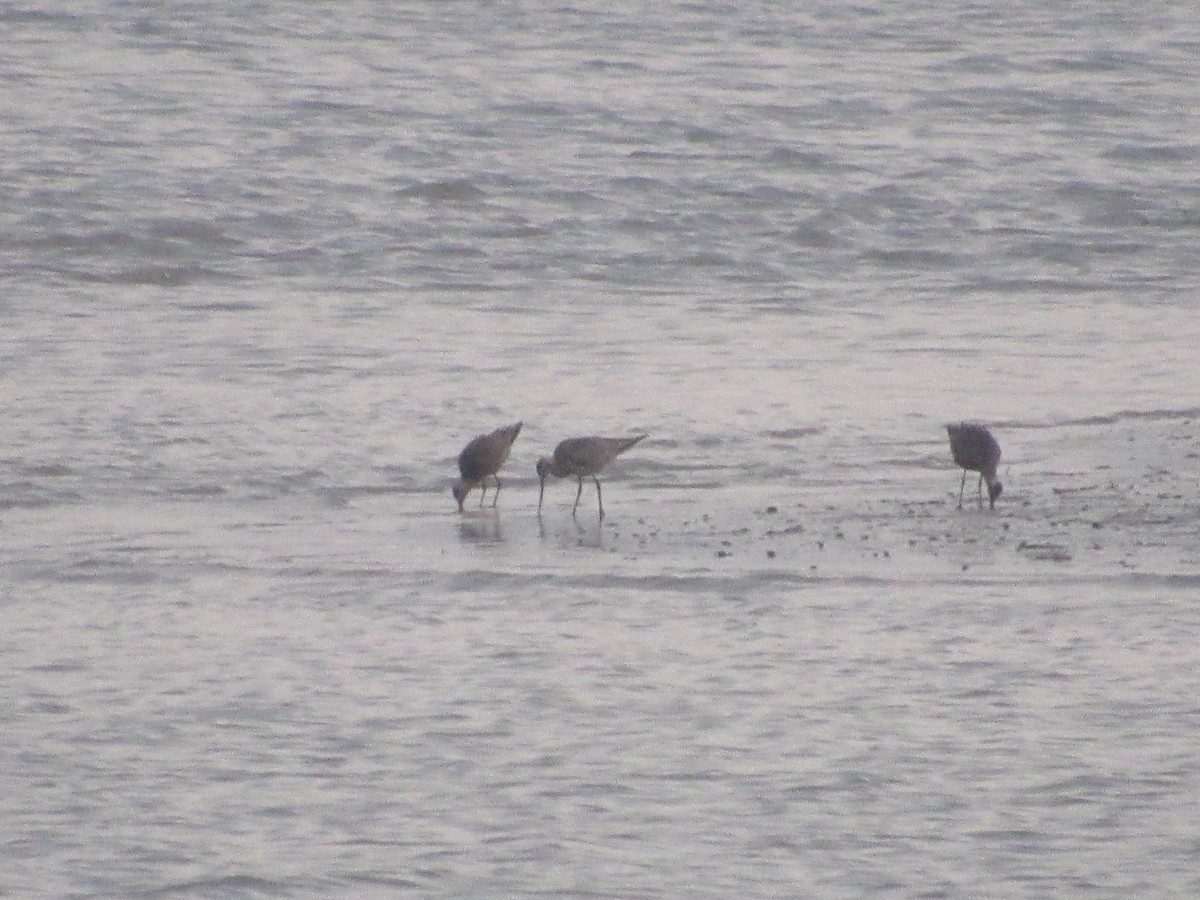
<point>976,450</point>
<point>483,457</point>
<point>582,457</point>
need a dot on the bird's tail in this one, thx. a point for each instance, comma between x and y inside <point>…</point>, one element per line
<point>633,440</point>
<point>510,432</point>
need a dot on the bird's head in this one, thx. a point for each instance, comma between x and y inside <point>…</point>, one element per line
<point>460,491</point>
<point>544,465</point>
<point>994,490</point>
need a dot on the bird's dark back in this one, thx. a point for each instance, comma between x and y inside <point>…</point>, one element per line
<point>487,453</point>
<point>473,462</point>
<point>974,448</point>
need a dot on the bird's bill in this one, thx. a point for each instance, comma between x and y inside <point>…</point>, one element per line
<point>541,492</point>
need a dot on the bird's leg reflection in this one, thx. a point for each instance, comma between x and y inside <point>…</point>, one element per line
<point>481,530</point>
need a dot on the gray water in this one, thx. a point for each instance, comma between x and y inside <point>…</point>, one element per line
<point>268,267</point>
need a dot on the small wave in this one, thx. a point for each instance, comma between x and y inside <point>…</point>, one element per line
<point>160,276</point>
<point>223,306</point>
<point>1099,61</point>
<point>805,159</point>
<point>546,108</point>
<point>787,434</point>
<point>222,886</point>
<point>816,236</point>
<point>196,490</point>
<point>989,285</point>
<point>194,231</point>
<point>1046,551</point>
<point>733,584</point>
<point>918,259</point>
<point>99,571</point>
<point>1113,418</point>
<point>1154,152</point>
<point>48,470</point>
<point>97,242</point>
<point>19,15</point>
<point>709,260</point>
<point>458,190</point>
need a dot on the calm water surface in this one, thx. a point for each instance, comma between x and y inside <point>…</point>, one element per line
<point>267,268</point>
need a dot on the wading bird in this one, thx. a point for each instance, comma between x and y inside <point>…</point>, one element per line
<point>582,457</point>
<point>974,448</point>
<point>481,458</point>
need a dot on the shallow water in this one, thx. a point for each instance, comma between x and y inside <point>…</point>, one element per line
<point>267,270</point>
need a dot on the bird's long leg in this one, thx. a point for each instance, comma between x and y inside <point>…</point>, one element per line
<point>496,492</point>
<point>599,498</point>
<point>979,491</point>
<point>578,494</point>
<point>482,491</point>
<point>962,486</point>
